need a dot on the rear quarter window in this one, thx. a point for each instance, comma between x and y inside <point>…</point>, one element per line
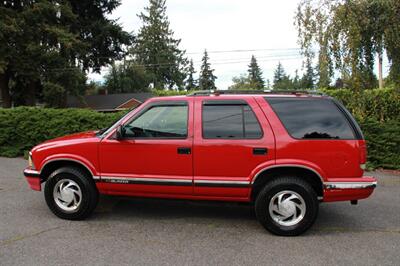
<point>312,118</point>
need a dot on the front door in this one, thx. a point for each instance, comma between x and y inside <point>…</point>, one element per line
<point>155,155</point>
<point>232,138</point>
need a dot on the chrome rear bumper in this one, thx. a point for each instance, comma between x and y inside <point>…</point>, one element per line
<point>350,185</point>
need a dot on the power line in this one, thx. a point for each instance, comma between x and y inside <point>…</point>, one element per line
<point>246,50</point>
<point>217,62</point>
<point>291,53</point>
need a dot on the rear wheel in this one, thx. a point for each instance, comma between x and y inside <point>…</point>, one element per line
<point>70,194</point>
<point>287,206</point>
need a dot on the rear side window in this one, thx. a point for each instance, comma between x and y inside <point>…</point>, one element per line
<point>312,118</point>
<point>230,120</point>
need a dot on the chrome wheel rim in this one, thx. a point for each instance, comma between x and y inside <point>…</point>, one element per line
<point>67,195</point>
<point>287,208</point>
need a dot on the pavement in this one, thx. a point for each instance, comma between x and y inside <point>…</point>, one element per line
<point>138,231</point>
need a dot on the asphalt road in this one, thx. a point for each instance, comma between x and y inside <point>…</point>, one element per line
<point>169,232</point>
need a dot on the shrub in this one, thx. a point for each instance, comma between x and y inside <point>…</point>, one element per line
<point>156,92</point>
<point>383,141</point>
<point>22,128</point>
<point>377,111</point>
<point>381,104</point>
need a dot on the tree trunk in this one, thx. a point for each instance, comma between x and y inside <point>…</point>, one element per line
<point>30,94</point>
<point>380,61</point>
<point>5,90</point>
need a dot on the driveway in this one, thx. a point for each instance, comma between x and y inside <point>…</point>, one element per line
<point>168,232</point>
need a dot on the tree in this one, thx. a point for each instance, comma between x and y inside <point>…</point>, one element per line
<point>255,75</point>
<point>207,78</point>
<point>297,81</point>
<point>279,76</point>
<point>30,30</point>
<point>268,85</point>
<point>241,83</point>
<point>158,50</point>
<point>126,77</point>
<point>307,81</point>
<point>54,43</point>
<point>190,83</point>
<point>348,35</point>
<point>281,80</point>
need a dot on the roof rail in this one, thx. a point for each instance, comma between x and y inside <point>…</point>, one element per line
<point>218,92</point>
<point>201,93</point>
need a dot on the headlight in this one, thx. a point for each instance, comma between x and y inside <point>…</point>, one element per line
<point>30,162</point>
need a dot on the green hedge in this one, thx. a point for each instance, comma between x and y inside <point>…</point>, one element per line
<point>22,128</point>
<point>380,104</point>
<point>377,111</point>
<point>383,141</point>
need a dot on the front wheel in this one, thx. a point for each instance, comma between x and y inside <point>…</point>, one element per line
<point>70,194</point>
<point>287,206</point>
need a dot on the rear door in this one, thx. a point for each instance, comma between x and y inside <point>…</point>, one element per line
<point>232,138</point>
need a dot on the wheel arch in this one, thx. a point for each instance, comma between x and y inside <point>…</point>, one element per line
<point>272,172</point>
<point>54,164</point>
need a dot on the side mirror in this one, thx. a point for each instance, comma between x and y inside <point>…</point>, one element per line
<point>120,132</point>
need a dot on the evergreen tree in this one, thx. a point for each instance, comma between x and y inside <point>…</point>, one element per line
<point>268,85</point>
<point>126,77</point>
<point>307,81</point>
<point>190,83</point>
<point>296,81</point>
<point>279,75</point>
<point>281,80</point>
<point>255,75</point>
<point>207,78</point>
<point>46,47</point>
<point>158,50</point>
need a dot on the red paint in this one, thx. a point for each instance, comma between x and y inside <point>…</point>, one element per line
<point>34,183</point>
<point>211,160</point>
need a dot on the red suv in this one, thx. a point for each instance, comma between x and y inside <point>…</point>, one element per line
<point>284,152</point>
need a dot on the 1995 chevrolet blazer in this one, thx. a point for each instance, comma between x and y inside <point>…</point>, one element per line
<point>284,152</point>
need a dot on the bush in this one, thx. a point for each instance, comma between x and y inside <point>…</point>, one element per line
<point>377,111</point>
<point>383,141</point>
<point>380,104</point>
<point>160,93</point>
<point>22,128</point>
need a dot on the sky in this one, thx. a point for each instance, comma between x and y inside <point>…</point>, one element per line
<point>231,31</point>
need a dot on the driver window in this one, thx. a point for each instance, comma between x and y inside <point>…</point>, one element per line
<point>159,122</point>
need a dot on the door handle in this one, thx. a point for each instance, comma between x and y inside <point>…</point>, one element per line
<point>184,150</point>
<point>260,151</point>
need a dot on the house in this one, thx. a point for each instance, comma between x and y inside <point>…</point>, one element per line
<point>109,102</point>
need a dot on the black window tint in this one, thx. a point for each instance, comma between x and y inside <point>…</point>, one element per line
<point>312,118</point>
<point>230,122</point>
<point>252,127</point>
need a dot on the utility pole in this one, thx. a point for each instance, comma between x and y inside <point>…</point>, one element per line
<point>380,70</point>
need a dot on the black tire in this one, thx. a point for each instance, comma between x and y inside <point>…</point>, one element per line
<point>89,194</point>
<point>280,185</point>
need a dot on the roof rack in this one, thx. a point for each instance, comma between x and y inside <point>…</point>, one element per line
<point>201,93</point>
<point>219,92</point>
